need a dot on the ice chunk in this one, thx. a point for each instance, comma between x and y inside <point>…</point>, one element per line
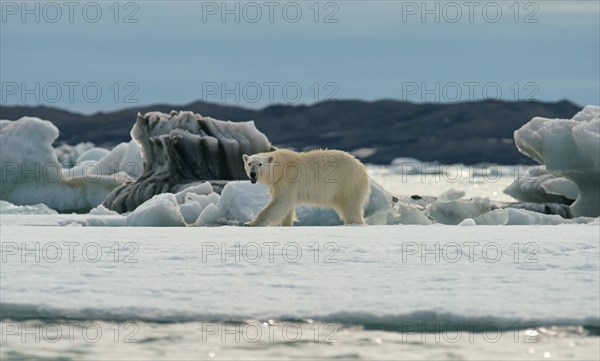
<point>93,154</point>
<point>456,210</point>
<point>125,157</point>
<point>571,149</point>
<point>411,214</point>
<point>588,113</point>
<point>241,201</point>
<point>203,199</point>
<point>201,189</point>
<point>380,206</point>
<point>124,163</point>
<point>539,185</point>
<point>513,216</point>
<point>102,211</point>
<point>451,195</point>
<point>9,208</point>
<point>67,155</point>
<point>468,222</point>
<point>211,215</point>
<point>160,211</point>
<point>190,211</point>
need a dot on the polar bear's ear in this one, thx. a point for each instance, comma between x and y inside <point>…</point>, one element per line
<point>245,157</point>
<point>270,159</point>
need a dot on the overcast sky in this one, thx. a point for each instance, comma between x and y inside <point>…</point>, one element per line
<point>264,52</point>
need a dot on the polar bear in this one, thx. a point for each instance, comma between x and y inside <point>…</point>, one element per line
<point>324,178</point>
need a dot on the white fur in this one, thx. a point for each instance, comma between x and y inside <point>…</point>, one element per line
<point>324,178</point>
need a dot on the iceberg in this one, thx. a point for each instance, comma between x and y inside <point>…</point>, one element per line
<point>570,149</point>
<point>183,147</point>
<point>31,172</point>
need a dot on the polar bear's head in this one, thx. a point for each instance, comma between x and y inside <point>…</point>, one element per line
<point>258,167</point>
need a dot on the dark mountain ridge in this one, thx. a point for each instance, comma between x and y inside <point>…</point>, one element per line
<point>470,132</point>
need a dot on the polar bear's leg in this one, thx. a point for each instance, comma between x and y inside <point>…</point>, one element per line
<point>351,211</point>
<point>352,216</point>
<point>279,207</point>
<point>288,220</point>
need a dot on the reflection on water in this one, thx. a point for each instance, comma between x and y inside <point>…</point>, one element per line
<point>94,340</point>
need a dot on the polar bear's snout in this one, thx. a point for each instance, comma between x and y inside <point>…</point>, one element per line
<point>252,169</point>
<point>253,177</point>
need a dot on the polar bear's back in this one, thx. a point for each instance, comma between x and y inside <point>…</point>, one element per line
<point>340,164</point>
<point>325,177</point>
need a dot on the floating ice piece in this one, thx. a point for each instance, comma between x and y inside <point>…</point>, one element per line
<point>571,149</point>
<point>160,211</point>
